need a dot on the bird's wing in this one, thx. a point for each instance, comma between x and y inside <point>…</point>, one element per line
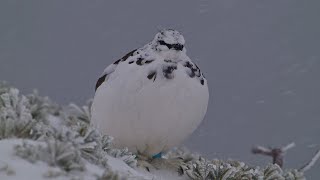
<point>111,68</point>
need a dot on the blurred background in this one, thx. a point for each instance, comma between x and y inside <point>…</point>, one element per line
<point>261,59</point>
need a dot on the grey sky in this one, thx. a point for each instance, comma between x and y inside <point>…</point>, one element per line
<point>261,59</point>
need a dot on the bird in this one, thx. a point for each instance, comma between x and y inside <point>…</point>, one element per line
<point>151,99</point>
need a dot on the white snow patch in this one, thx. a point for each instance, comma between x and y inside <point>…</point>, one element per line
<point>13,167</point>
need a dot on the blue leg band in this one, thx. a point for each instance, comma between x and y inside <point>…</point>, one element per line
<point>159,155</point>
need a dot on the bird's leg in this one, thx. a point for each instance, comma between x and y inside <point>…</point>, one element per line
<point>159,155</point>
<point>157,162</point>
<point>175,164</point>
<point>144,161</point>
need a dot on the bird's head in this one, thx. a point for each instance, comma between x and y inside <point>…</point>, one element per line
<point>169,40</point>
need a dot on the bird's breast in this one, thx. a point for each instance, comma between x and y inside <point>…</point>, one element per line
<point>149,114</point>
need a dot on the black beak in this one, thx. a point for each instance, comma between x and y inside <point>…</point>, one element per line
<point>178,47</point>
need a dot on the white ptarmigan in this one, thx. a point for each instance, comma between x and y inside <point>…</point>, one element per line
<point>153,98</point>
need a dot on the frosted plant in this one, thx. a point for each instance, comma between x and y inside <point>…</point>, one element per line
<point>216,169</point>
<point>4,87</point>
<point>108,174</point>
<point>77,118</point>
<point>40,107</point>
<point>128,157</point>
<point>243,171</point>
<point>205,170</point>
<point>42,110</point>
<point>24,116</point>
<point>54,173</point>
<point>273,171</point>
<point>15,116</point>
<point>91,147</point>
<point>88,145</point>
<point>76,113</point>
<point>182,153</point>
<point>28,151</point>
<point>124,154</point>
<point>294,175</point>
<point>202,169</point>
<point>54,152</point>
<point>64,155</point>
<point>104,146</point>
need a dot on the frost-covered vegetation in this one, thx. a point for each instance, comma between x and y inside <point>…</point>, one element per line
<point>41,131</point>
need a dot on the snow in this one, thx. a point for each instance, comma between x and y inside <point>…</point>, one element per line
<point>21,169</point>
<point>55,122</point>
<point>13,167</point>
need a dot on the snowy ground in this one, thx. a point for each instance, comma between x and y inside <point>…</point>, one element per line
<point>13,167</point>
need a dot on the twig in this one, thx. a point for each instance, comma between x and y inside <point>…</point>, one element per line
<point>261,150</point>
<point>277,154</point>
<point>289,146</point>
<point>311,163</point>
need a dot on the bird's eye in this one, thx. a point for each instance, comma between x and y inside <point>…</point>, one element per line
<point>177,47</point>
<point>165,44</point>
<point>162,43</point>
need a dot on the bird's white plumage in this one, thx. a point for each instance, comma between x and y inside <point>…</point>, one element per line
<point>152,99</point>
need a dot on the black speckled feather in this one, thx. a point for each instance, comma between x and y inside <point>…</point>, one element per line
<point>100,81</point>
<point>124,58</point>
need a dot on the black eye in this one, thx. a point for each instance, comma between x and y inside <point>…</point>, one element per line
<point>165,44</point>
<point>162,43</point>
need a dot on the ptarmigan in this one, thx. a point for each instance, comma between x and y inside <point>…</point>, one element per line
<point>153,98</point>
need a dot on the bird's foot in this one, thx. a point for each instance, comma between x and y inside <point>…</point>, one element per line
<point>175,164</point>
<point>144,162</point>
<point>157,163</point>
<point>146,165</point>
